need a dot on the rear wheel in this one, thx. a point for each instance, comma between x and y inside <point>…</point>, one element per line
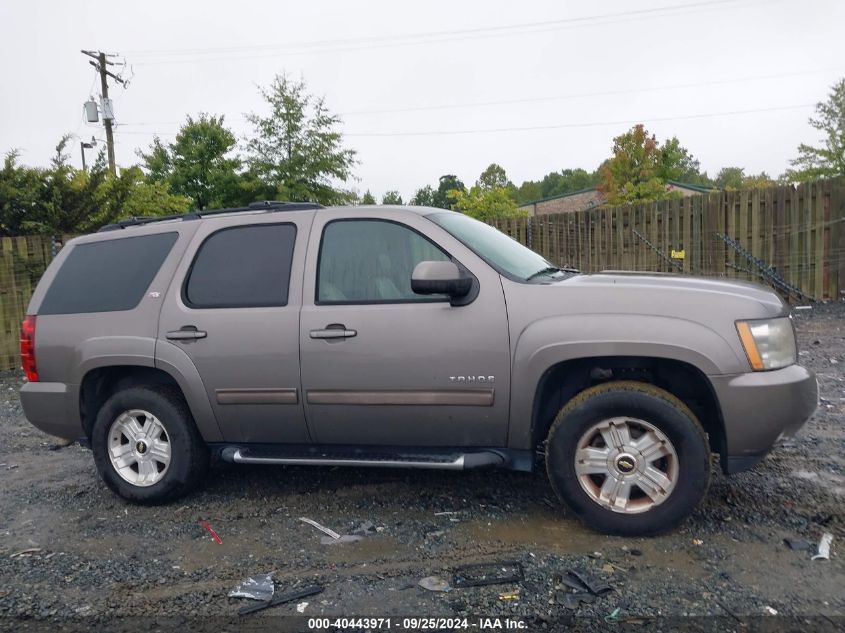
<point>146,446</point>
<point>628,458</point>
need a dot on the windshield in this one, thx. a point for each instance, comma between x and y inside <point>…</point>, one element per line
<point>500,251</point>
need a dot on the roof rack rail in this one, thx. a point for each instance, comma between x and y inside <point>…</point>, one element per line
<point>264,205</point>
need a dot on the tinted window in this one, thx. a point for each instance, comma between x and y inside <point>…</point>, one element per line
<point>107,276</point>
<point>371,260</point>
<point>244,266</point>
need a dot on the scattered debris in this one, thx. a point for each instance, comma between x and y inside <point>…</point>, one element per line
<point>824,547</point>
<point>697,541</point>
<point>259,587</point>
<point>340,540</point>
<point>434,583</point>
<point>509,595</point>
<point>586,583</point>
<point>365,529</point>
<point>607,568</point>
<point>574,600</point>
<point>207,526</point>
<point>300,608</point>
<point>482,574</point>
<point>322,528</point>
<point>613,616</point>
<point>435,534</point>
<point>798,545</point>
<point>25,553</point>
<point>282,598</point>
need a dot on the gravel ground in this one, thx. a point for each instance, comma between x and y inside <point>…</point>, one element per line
<point>95,561</point>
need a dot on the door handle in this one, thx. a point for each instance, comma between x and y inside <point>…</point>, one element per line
<point>186,333</point>
<point>333,331</point>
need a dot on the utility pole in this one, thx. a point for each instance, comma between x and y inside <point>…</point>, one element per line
<point>101,65</point>
<point>104,91</point>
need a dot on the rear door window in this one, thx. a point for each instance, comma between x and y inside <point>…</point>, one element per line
<point>107,276</point>
<point>242,267</point>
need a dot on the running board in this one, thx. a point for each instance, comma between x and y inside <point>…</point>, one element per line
<point>443,461</point>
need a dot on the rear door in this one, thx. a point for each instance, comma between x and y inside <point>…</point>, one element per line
<point>233,308</point>
<point>382,365</point>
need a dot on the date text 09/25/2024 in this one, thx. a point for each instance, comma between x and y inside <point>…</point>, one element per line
<point>419,624</point>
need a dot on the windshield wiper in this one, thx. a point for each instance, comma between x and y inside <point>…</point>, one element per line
<point>548,270</point>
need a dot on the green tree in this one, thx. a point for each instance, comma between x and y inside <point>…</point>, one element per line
<point>827,161</point>
<point>529,191</point>
<point>199,164</point>
<point>557,184</point>
<point>759,181</point>
<point>676,163</point>
<point>391,197</point>
<point>638,168</point>
<point>61,199</point>
<point>442,198</point>
<point>20,194</point>
<point>493,177</point>
<point>730,178</point>
<point>486,204</point>
<point>296,150</point>
<point>733,178</point>
<point>367,198</point>
<point>424,197</point>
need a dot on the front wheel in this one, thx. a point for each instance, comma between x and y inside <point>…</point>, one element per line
<point>146,446</point>
<point>628,458</point>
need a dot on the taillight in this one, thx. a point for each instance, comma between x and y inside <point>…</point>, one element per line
<point>28,348</point>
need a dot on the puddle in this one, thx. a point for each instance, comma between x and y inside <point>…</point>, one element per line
<point>549,532</point>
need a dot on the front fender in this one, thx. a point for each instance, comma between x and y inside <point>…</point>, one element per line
<point>550,341</point>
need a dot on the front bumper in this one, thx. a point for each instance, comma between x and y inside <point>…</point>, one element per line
<point>759,408</point>
<point>52,407</point>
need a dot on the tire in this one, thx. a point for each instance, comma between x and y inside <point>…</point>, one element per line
<point>171,434</point>
<point>673,467</point>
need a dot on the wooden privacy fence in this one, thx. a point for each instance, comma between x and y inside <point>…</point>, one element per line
<point>790,237</point>
<point>22,262</point>
<point>794,236</point>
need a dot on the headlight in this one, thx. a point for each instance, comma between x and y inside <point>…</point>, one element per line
<point>768,343</point>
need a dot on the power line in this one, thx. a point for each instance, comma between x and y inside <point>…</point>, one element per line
<point>605,93</point>
<point>543,127</point>
<point>577,95</point>
<point>581,125</point>
<point>419,38</point>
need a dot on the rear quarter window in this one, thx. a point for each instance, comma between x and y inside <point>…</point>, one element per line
<point>107,276</point>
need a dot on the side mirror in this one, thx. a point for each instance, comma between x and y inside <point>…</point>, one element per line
<point>440,278</point>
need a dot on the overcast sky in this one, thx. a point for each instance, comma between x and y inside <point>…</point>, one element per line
<point>404,74</point>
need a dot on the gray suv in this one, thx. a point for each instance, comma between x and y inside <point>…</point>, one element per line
<point>287,333</point>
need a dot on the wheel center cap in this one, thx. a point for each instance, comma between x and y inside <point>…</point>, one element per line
<point>141,447</point>
<point>625,463</point>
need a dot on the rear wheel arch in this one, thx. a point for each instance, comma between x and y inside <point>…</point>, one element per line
<point>100,383</point>
<point>563,381</point>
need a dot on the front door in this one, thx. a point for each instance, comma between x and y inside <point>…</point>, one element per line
<point>233,308</point>
<point>383,365</point>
